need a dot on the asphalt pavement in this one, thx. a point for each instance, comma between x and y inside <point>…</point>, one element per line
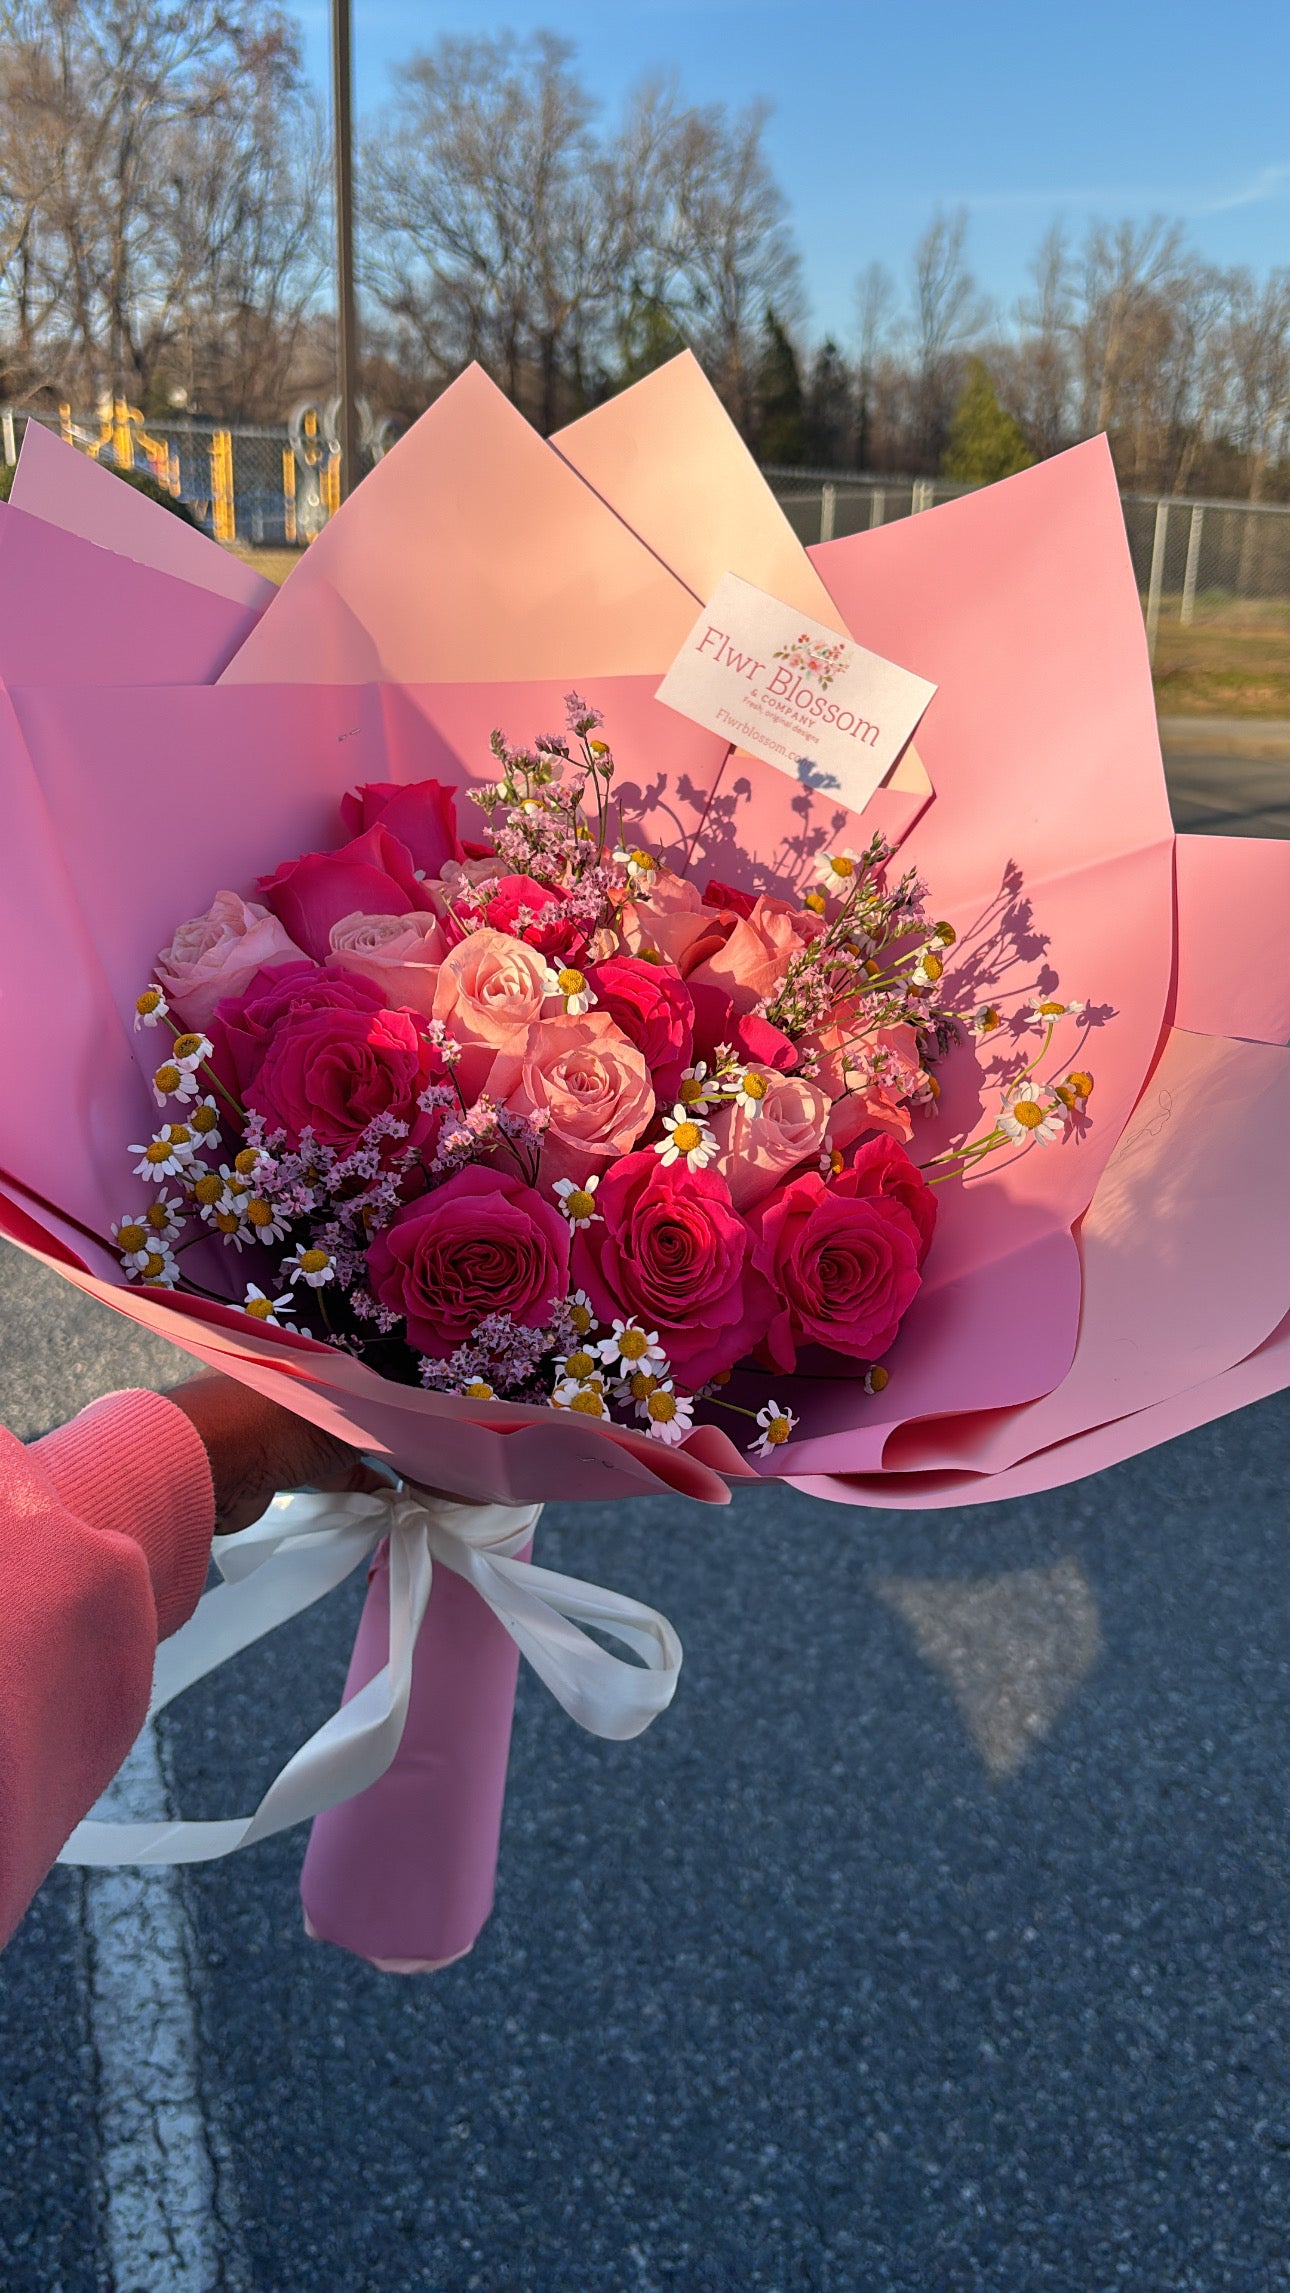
<point>934,1941</point>
<point>1228,776</point>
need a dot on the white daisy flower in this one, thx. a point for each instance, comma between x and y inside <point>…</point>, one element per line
<point>776,1428</point>
<point>311,1266</point>
<point>150,1008</point>
<point>582,1313</point>
<point>697,1088</point>
<point>668,1415</point>
<point>476,1389</point>
<point>188,1051</point>
<point>135,1242</point>
<point>160,1270</point>
<point>266,1222</point>
<point>986,1020</point>
<point>579,1367</point>
<point>572,984</point>
<point>929,967</point>
<point>875,1378</point>
<point>167,1155</point>
<point>837,870</point>
<point>585,1400</point>
<point>687,1140</point>
<point>577,1202</point>
<point>166,1218</point>
<point>1030,1112</point>
<point>635,1388</point>
<point>634,1347</point>
<point>204,1118</point>
<point>747,1088</point>
<point>173,1082</point>
<point>641,866</point>
<point>1042,1011</point>
<point>262,1308</point>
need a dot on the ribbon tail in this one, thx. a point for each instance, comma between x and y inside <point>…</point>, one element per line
<point>542,1610</point>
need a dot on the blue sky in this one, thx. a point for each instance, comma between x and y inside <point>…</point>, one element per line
<point>1023,113</point>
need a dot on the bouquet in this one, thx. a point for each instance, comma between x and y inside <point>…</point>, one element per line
<point>958,1245</point>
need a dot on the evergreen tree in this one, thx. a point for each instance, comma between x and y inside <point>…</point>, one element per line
<point>985,442</point>
<point>648,336</point>
<point>781,433</point>
<point>830,410</point>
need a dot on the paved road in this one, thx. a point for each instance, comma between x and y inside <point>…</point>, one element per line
<point>935,1940</point>
<point>1228,776</point>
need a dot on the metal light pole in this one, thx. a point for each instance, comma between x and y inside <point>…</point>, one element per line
<point>346,312</point>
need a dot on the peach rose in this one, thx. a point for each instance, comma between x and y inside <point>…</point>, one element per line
<point>399,954</point>
<point>673,922</point>
<point>489,994</point>
<point>877,1105</point>
<point>758,1150</point>
<point>591,1083</point>
<point>756,955</point>
<point>218,954</point>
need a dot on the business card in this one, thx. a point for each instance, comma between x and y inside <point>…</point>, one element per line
<point>785,688</point>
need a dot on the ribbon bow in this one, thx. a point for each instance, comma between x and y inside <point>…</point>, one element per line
<point>306,1544</point>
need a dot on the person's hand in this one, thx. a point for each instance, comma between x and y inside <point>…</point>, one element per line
<point>255,1448</point>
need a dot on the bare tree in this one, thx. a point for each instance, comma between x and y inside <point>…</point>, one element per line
<point>947,314</point>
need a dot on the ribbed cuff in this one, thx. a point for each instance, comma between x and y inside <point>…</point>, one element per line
<point>134,1464</point>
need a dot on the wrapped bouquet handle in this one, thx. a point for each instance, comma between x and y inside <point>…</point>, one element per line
<point>308,1543</point>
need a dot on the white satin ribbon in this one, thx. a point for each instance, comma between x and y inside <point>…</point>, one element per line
<point>306,1544</point>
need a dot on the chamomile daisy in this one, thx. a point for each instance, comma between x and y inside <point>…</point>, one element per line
<point>668,1415</point>
<point>687,1141</point>
<point>1030,1112</point>
<point>748,1088</point>
<point>150,1008</point>
<point>309,1265</point>
<point>262,1308</point>
<point>578,1202</point>
<point>573,985</point>
<point>584,1400</point>
<point>167,1155</point>
<point>581,1314</point>
<point>776,1428</point>
<point>837,870</point>
<point>634,1347</point>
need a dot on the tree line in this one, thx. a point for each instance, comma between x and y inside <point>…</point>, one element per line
<point>165,234</point>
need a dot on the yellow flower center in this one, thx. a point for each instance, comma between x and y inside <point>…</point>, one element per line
<point>1052,1010</point>
<point>691,1091</point>
<point>313,1262</point>
<point>246,1161</point>
<point>778,1430</point>
<point>157,1217</point>
<point>579,1204</point>
<point>633,1344</point>
<point>477,1390</point>
<point>259,1308</point>
<point>836,1164</point>
<point>686,1137</point>
<point>598,747</point>
<point>579,1364</point>
<point>571,981</point>
<point>815,902</point>
<point>147,1002</point>
<point>205,1119</point>
<point>642,859</point>
<point>1028,1113</point>
<point>643,1384</point>
<point>131,1237</point>
<point>841,866</point>
<point>260,1213</point>
<point>662,1407</point>
<point>946,934</point>
<point>159,1151</point>
<point>753,1086</point>
<point>168,1079</point>
<point>871,969</point>
<point>153,1265</point>
<point>1080,1083</point>
<point>989,1021</point>
<point>878,1378</point>
<point>179,1134</point>
<point>187,1046</point>
<point>581,1317</point>
<point>932,965</point>
<point>588,1403</point>
<point>208,1188</point>
<point>933,1087</point>
<point>227,1221</point>
<point>722,1377</point>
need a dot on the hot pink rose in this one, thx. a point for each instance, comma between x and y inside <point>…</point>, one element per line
<point>482,1243</point>
<point>652,1005</point>
<point>591,1084</point>
<point>218,954</point>
<point>881,1167</point>
<point>843,1267</point>
<point>400,955</point>
<point>756,954</point>
<point>669,1247</point>
<point>557,936</point>
<point>757,1150</point>
<point>490,990</point>
<point>423,816</point>
<point>374,876</point>
<point>244,1025</point>
<point>751,1039</point>
<point>333,1072</point>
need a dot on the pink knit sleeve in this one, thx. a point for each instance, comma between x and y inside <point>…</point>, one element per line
<point>105,1530</point>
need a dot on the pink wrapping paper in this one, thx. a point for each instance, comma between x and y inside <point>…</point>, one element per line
<point>1079,1302</point>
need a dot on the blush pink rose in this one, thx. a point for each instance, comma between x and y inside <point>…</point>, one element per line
<point>758,1150</point>
<point>652,1005</point>
<point>843,1267</point>
<point>592,1085</point>
<point>482,1243</point>
<point>490,991</point>
<point>374,876</point>
<point>334,1071</point>
<point>218,954</point>
<point>400,955</point>
<point>423,816</point>
<point>669,1247</point>
<point>755,955</point>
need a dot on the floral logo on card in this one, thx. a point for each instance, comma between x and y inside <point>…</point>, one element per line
<point>812,659</point>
